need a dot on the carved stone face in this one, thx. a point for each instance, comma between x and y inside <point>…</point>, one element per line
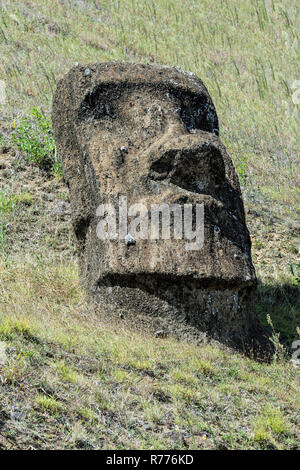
<point>150,134</point>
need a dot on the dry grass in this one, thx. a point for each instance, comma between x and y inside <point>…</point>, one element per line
<point>246,53</point>
<point>71,382</point>
<point>69,375</point>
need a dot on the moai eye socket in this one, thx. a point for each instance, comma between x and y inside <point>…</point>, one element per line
<point>99,103</point>
<point>103,102</point>
<point>199,115</point>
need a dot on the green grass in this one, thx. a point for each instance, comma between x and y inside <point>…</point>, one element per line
<point>282,303</point>
<point>9,201</point>
<point>124,389</point>
<point>34,137</point>
<point>246,53</point>
<point>270,423</point>
<point>49,404</point>
<point>82,384</point>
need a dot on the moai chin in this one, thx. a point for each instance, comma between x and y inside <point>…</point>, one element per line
<point>137,141</point>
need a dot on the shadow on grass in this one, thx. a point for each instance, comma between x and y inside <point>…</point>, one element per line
<point>282,303</point>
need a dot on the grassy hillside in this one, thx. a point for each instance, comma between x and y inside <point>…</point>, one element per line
<point>66,379</point>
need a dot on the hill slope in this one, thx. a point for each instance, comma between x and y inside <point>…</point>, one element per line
<point>70,381</point>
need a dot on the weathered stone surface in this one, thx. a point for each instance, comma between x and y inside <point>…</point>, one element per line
<point>151,134</point>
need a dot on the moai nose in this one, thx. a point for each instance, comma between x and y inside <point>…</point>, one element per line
<point>194,163</point>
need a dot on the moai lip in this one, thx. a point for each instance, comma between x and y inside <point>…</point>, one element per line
<point>150,135</point>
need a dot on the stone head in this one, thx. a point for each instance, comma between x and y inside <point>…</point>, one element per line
<point>138,137</point>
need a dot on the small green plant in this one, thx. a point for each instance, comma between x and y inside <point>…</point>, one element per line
<point>34,137</point>
<point>242,171</point>
<point>3,142</point>
<point>204,367</point>
<point>8,202</point>
<point>295,271</point>
<point>270,422</point>
<point>14,369</point>
<point>15,327</point>
<point>66,372</point>
<point>57,169</point>
<point>2,236</point>
<point>4,207</point>
<point>49,404</point>
<point>279,350</point>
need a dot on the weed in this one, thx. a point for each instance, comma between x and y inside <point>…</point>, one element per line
<point>14,370</point>
<point>295,270</point>
<point>2,237</point>
<point>270,421</point>
<point>66,372</point>
<point>57,169</point>
<point>204,367</point>
<point>280,352</point>
<point>242,171</point>
<point>9,328</point>
<point>34,137</point>
<point>4,143</point>
<point>8,202</point>
<point>49,404</point>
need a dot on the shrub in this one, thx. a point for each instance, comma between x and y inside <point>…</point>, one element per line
<point>34,137</point>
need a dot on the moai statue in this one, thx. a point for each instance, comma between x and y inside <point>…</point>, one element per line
<point>156,203</point>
